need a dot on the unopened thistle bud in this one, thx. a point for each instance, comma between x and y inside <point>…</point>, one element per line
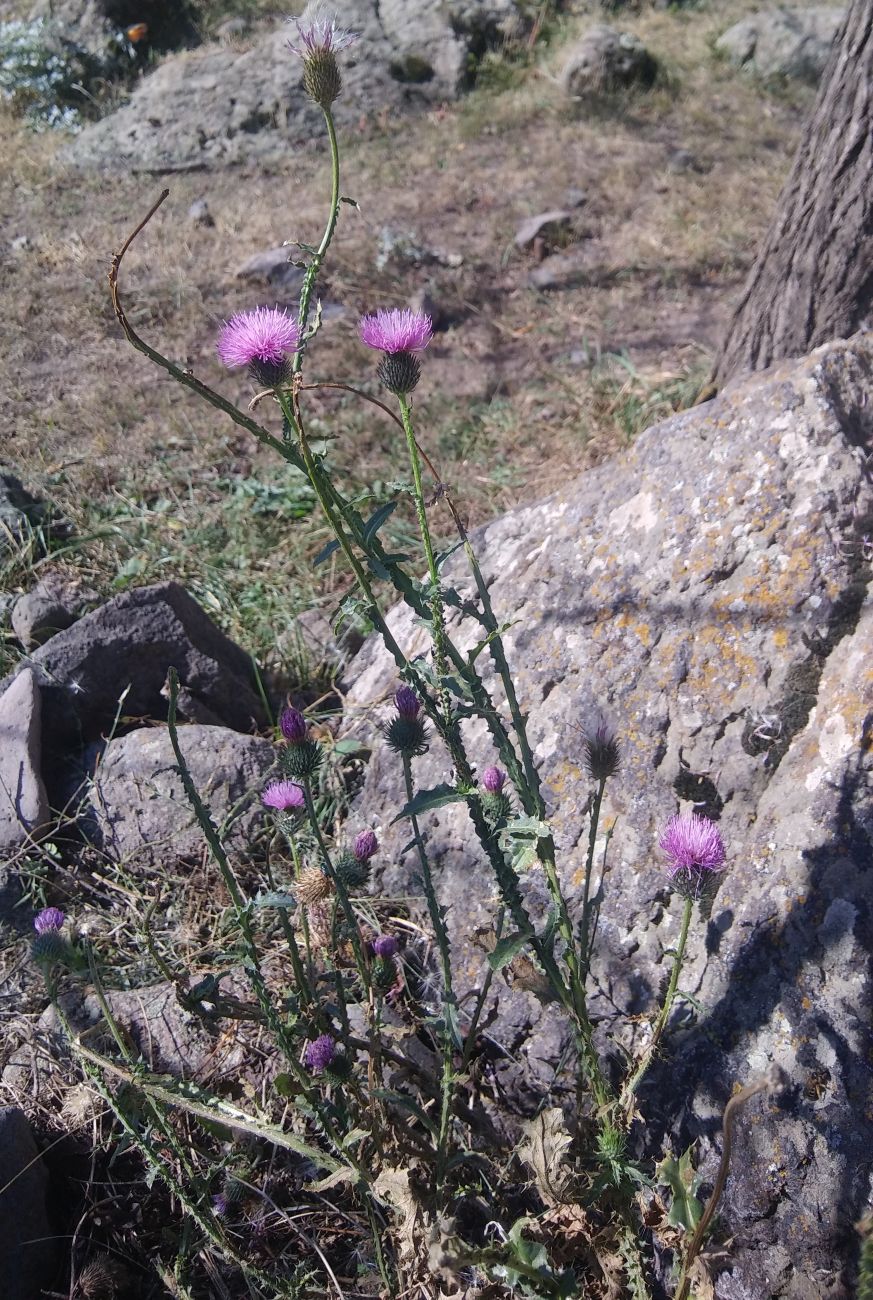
<point>302,756</point>
<point>497,805</point>
<point>383,974</point>
<point>406,734</point>
<point>602,753</point>
<point>354,872</point>
<point>366,845</point>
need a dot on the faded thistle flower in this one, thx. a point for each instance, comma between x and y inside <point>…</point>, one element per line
<point>696,854</point>
<point>284,796</point>
<point>50,918</point>
<point>400,335</point>
<point>602,752</point>
<point>406,733</point>
<point>263,340</point>
<point>319,40</point>
<point>302,755</point>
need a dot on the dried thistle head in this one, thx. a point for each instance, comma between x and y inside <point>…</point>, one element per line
<point>312,886</point>
<point>79,1104</point>
<point>99,1280</point>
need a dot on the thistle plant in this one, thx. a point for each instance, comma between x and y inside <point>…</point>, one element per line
<point>366,1112</point>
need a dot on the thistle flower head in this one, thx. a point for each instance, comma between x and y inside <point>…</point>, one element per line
<point>311,886</point>
<point>50,918</point>
<point>319,39</point>
<point>602,753</point>
<point>366,845</point>
<point>493,780</point>
<point>284,796</point>
<point>396,330</point>
<point>385,946</point>
<point>261,339</point>
<point>293,726</point>
<point>407,702</point>
<point>695,851</point>
<point>320,35</point>
<point>320,1053</point>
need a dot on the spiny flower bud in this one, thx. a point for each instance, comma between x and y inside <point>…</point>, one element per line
<point>399,372</point>
<point>602,752</point>
<point>311,886</point>
<point>293,726</point>
<point>493,779</point>
<point>366,845</point>
<point>385,946</point>
<point>49,947</point>
<point>383,974</point>
<point>407,703</point>
<point>354,872</point>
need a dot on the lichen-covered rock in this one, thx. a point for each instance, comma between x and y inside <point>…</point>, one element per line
<point>783,42</point>
<point>709,591</point>
<point>183,114</point>
<point>604,60</point>
<point>139,810</point>
<point>24,809</point>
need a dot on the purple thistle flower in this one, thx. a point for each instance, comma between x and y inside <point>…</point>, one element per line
<point>396,330</point>
<point>319,1054</point>
<point>366,845</point>
<point>320,36</point>
<point>50,918</point>
<point>407,703</point>
<point>493,779</point>
<point>385,946</point>
<point>293,726</point>
<point>266,335</point>
<point>284,796</point>
<point>693,844</point>
<point>219,1205</point>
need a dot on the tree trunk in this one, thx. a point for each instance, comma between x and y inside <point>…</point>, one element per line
<point>813,277</point>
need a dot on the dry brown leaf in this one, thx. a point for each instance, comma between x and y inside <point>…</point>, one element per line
<point>544,1147</point>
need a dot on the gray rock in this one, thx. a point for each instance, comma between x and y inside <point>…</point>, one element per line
<point>139,811</point>
<point>36,618</point>
<point>129,644</point>
<point>24,810</point>
<point>170,1039</point>
<point>18,509</point>
<point>199,214</point>
<point>181,115</point>
<point>561,270</point>
<point>709,591</point>
<point>273,266</point>
<point>783,42</point>
<point>232,30</point>
<point>545,225</point>
<point>26,1236</point>
<point>604,60</point>
<point>315,647</point>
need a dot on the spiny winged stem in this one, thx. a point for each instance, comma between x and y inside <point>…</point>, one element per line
<point>585,923</point>
<point>338,884</point>
<point>450,1007</point>
<point>243,917</point>
<point>436,600</point>
<point>633,1083</point>
<point>314,267</point>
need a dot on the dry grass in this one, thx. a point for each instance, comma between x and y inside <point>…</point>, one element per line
<point>510,398</point>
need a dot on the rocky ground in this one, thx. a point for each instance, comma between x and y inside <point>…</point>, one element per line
<point>579,244</point>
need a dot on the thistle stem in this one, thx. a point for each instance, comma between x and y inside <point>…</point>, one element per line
<point>318,256</point>
<point>630,1088</point>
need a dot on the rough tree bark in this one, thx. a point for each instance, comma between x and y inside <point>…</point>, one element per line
<point>813,277</point>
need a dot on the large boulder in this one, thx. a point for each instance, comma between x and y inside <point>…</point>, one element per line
<point>604,60</point>
<point>783,42</point>
<point>27,1241</point>
<point>710,593</point>
<point>225,105</point>
<point>128,645</point>
<point>24,810</point>
<point>138,808</point>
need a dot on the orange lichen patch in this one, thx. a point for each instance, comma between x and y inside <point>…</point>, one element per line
<point>719,660</point>
<point>780,638</point>
<point>568,778</point>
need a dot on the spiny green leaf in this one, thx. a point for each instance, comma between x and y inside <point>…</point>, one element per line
<point>682,1180</point>
<point>507,948</point>
<point>426,800</point>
